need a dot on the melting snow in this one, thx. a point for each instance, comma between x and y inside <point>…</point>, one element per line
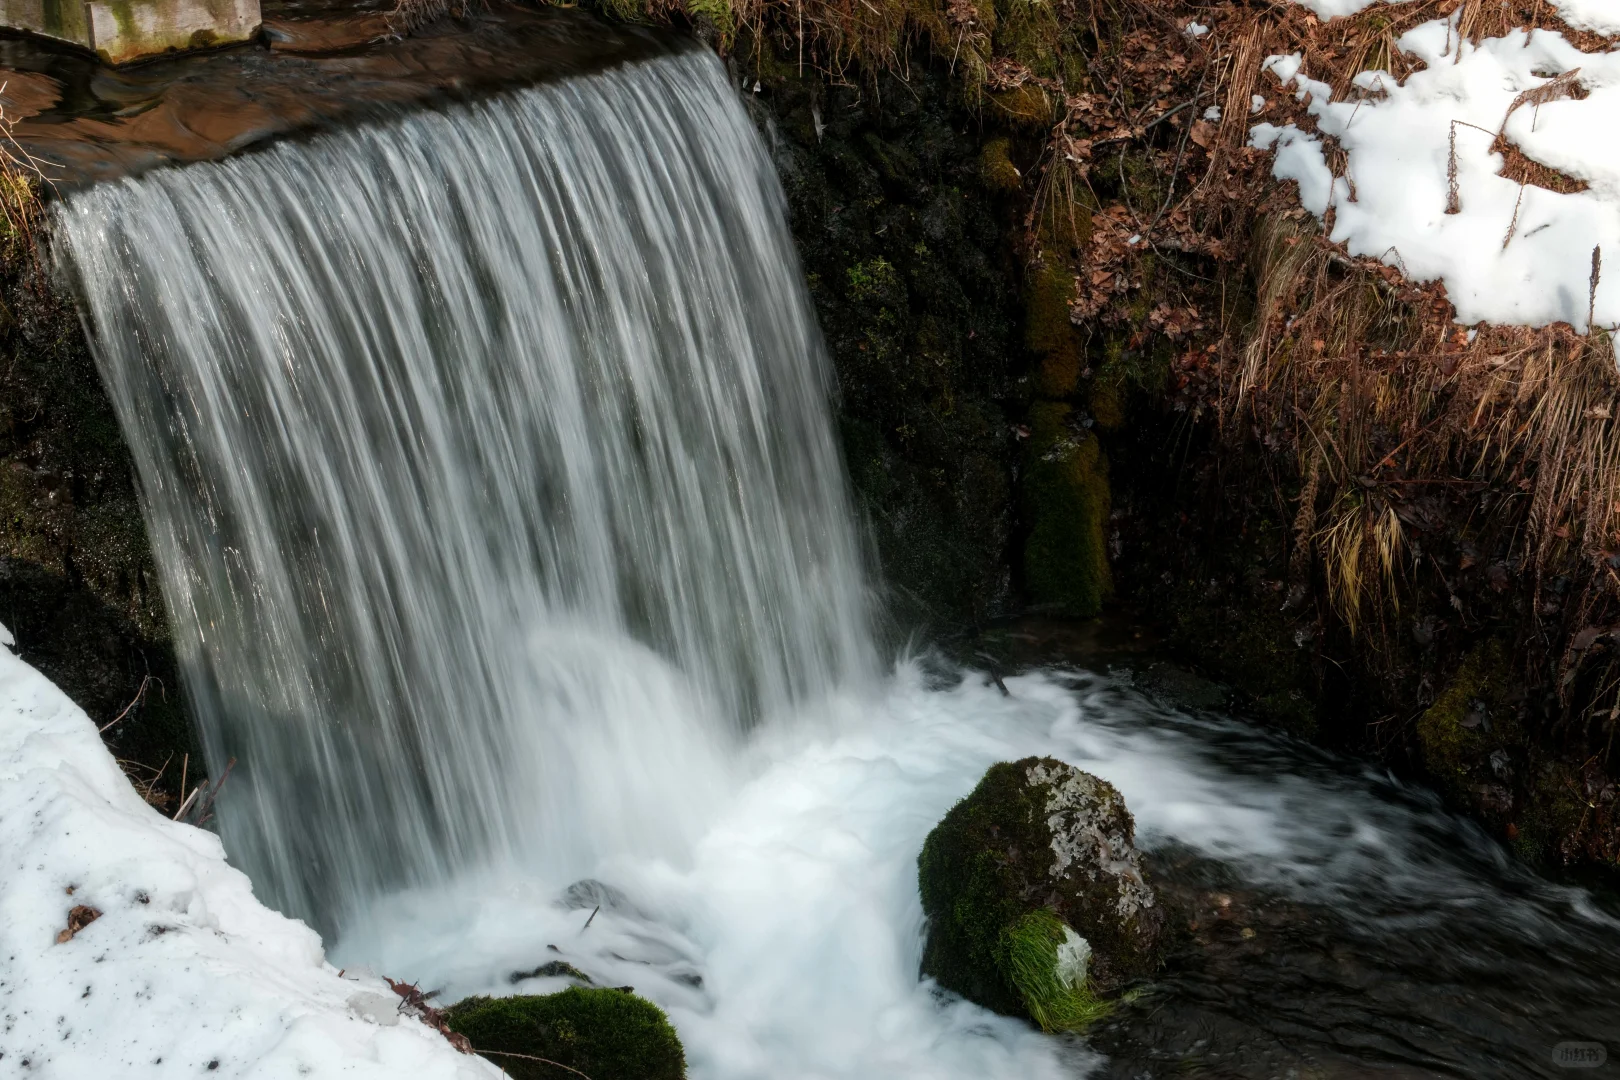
<point>1508,254</point>
<point>183,973</point>
<point>1602,16</point>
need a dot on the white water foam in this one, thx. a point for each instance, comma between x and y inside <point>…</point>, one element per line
<point>800,914</point>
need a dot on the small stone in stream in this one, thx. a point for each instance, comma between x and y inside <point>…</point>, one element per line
<point>1036,897</point>
<point>553,969</point>
<point>589,893</point>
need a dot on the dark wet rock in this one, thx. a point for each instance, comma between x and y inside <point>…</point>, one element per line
<point>1036,897</point>
<point>907,241</point>
<point>554,969</point>
<point>588,893</point>
<point>606,1034</point>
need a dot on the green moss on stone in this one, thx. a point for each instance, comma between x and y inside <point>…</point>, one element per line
<point>1066,504</point>
<point>1026,106</point>
<point>1107,405</point>
<point>1048,331</point>
<point>996,166</point>
<point>1040,35</point>
<point>605,1034</point>
<point>1467,722</point>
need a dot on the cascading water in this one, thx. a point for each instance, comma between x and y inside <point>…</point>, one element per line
<point>488,461</point>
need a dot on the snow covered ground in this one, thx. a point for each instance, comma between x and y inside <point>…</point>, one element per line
<point>1423,188</point>
<point>183,973</point>
<point>1602,16</point>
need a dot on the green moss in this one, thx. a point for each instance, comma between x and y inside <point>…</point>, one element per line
<point>1107,404</point>
<point>996,167</point>
<point>1042,36</point>
<point>718,12</point>
<point>1552,814</point>
<point>971,896</point>
<point>1066,505</point>
<point>605,1034</point>
<point>1026,106</point>
<point>1048,331</point>
<point>1467,722</point>
<point>875,281</point>
<point>1030,949</point>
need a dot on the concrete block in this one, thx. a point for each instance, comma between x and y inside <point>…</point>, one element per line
<point>120,31</point>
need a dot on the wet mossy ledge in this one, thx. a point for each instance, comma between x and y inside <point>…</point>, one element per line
<point>600,1033</point>
<point>1037,901</point>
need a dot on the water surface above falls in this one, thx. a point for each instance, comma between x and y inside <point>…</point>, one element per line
<point>489,463</point>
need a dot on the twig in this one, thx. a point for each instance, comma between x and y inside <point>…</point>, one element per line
<point>213,793</point>
<point>139,694</point>
<point>1514,224</point>
<point>1591,296</point>
<point>1176,168</point>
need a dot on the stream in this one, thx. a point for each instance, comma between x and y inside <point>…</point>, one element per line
<point>489,459</point>
<point>1334,922</point>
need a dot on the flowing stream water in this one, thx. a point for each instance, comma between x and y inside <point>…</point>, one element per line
<point>488,460</point>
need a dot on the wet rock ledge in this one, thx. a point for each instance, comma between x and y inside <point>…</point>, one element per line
<point>312,66</point>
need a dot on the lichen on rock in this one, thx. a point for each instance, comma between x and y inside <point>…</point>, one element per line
<point>1037,901</point>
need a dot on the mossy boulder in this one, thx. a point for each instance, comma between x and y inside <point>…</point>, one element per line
<point>1036,898</point>
<point>605,1034</point>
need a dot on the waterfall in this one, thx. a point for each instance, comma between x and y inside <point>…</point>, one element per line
<point>487,461</point>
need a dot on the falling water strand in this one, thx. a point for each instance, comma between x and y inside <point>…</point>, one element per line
<point>487,460</point>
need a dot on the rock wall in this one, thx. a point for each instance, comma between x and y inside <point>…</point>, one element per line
<point>78,590</point>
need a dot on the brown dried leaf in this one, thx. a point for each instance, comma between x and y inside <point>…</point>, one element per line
<point>80,917</point>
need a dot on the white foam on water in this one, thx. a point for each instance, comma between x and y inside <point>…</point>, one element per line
<point>800,913</point>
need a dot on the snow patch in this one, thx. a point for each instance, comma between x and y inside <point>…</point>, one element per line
<point>1337,9</point>
<point>183,973</point>
<point>1509,253</point>
<point>1599,16</point>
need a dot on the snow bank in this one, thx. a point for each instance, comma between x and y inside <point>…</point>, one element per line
<point>184,973</point>
<point>1510,254</point>
<point>1334,9</point>
<point>1600,16</point>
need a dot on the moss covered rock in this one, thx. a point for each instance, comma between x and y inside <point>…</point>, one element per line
<point>1468,723</point>
<point>605,1034</point>
<point>1036,899</point>
<point>1066,502</point>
